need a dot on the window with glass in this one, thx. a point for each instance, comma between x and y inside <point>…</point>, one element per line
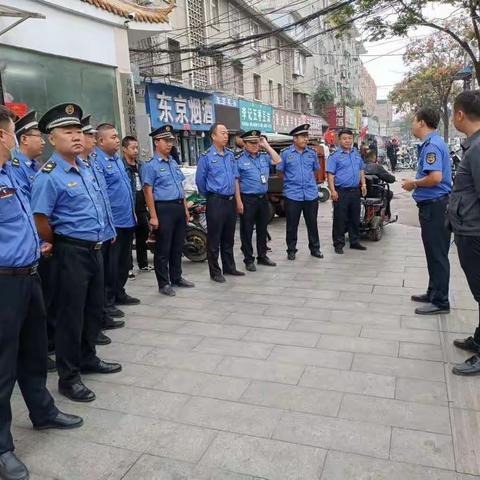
<point>214,13</point>
<point>238,78</point>
<point>257,86</point>
<point>234,21</point>
<point>254,30</point>
<point>175,58</point>
<point>278,53</point>
<point>280,94</point>
<point>270,91</point>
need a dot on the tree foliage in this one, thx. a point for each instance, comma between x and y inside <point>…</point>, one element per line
<point>322,98</point>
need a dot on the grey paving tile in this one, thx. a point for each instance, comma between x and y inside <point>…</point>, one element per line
<point>165,340</point>
<point>311,356</point>
<point>332,294</point>
<point>431,418</point>
<point>213,330</point>
<point>402,335</point>
<point>421,351</point>
<point>348,381</point>
<point>215,315</point>
<point>292,397</point>
<point>325,327</point>
<point>345,466</point>
<point>421,391</point>
<point>422,448</point>
<point>257,320</point>
<point>465,428</point>
<point>366,317</point>
<point>260,370</point>
<point>157,324</point>
<point>149,467</point>
<point>357,344</point>
<point>420,323</point>
<point>334,433</point>
<point>264,458</point>
<point>123,352</point>
<point>298,312</point>
<point>221,346</point>
<point>400,367</point>
<point>281,337</point>
<point>230,416</point>
<point>215,473</point>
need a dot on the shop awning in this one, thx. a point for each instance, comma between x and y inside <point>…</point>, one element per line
<point>17,15</point>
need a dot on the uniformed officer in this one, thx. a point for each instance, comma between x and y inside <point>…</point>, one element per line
<point>66,203</point>
<point>299,164</point>
<point>346,181</point>
<point>30,147</point>
<point>217,179</point>
<point>254,170</point>
<point>162,183</point>
<point>123,210</point>
<point>23,335</point>
<point>88,156</point>
<point>431,188</point>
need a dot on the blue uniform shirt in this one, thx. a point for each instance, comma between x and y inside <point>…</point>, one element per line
<point>346,166</point>
<point>165,177</point>
<point>70,198</point>
<point>250,169</point>
<point>19,242</point>
<point>433,156</point>
<point>24,170</point>
<point>109,231</point>
<point>299,178</point>
<point>216,172</point>
<point>118,188</point>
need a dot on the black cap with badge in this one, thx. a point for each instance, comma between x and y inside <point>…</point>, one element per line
<point>87,126</point>
<point>251,136</point>
<point>165,131</point>
<point>64,115</point>
<point>26,123</point>
<point>300,130</point>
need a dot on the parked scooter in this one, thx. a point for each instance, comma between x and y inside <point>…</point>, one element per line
<point>195,248</point>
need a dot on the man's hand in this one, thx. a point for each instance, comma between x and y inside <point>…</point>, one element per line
<point>113,240</point>
<point>364,190</point>
<point>240,208</point>
<point>153,222</point>
<point>263,142</point>
<point>334,195</point>
<point>408,184</point>
<point>46,249</point>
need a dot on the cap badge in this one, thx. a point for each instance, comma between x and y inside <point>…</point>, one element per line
<point>69,109</point>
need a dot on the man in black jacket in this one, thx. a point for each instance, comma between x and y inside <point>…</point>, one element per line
<point>374,168</point>
<point>464,213</point>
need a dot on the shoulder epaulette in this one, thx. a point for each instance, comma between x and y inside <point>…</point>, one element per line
<point>238,155</point>
<point>283,149</point>
<point>15,162</point>
<point>49,166</point>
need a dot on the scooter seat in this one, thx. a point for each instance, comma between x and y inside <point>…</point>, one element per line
<point>371,201</point>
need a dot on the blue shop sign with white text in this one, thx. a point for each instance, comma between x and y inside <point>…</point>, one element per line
<point>255,116</point>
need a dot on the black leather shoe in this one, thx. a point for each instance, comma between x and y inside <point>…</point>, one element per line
<point>431,309</point>
<point>218,278</point>
<point>167,290</point>
<point>316,254</point>
<point>115,312</point>
<point>51,365</point>
<point>250,267</point>
<point>102,339</point>
<point>127,300</point>
<point>63,421</point>
<point>235,273</point>
<point>266,261</point>
<point>102,367</point>
<point>471,366</point>
<point>11,468</point>
<point>77,392</point>
<point>468,344</point>
<point>109,323</point>
<point>423,298</point>
<point>184,283</point>
<point>358,246</point>
<point>339,250</point>
<point>291,256</point>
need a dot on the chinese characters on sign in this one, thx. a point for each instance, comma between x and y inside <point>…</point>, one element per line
<point>255,116</point>
<point>128,101</point>
<point>225,100</point>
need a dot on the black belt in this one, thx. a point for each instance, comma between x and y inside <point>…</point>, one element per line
<point>254,195</point>
<point>19,271</point>
<point>217,195</point>
<point>77,241</point>
<point>177,201</point>
<point>348,189</point>
<point>422,203</point>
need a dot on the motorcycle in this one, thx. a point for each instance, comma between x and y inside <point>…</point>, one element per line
<point>455,157</point>
<point>195,247</point>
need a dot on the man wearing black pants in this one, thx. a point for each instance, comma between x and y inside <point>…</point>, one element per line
<point>464,214</point>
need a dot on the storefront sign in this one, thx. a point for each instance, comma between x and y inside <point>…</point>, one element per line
<point>255,116</point>
<point>285,121</point>
<point>225,100</point>
<point>183,108</point>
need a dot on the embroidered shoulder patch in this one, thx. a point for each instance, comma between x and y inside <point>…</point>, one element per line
<point>49,166</point>
<point>431,158</point>
<point>16,162</point>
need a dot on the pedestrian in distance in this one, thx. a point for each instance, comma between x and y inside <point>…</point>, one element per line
<point>66,204</point>
<point>464,214</point>
<point>217,179</point>
<point>298,167</point>
<point>162,183</point>
<point>254,170</point>
<point>346,181</point>
<point>431,188</point>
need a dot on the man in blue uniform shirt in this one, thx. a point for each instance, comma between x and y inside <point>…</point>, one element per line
<point>346,181</point>
<point>23,334</point>
<point>162,183</point>
<point>123,210</point>
<point>299,166</point>
<point>254,170</point>
<point>217,179</point>
<point>66,203</point>
<point>431,188</point>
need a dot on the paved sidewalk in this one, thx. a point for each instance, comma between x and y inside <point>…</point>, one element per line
<point>316,369</point>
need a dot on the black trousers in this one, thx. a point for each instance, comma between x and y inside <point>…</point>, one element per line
<point>346,216</point>
<point>79,308</point>
<point>393,163</point>
<point>469,254</point>
<point>221,219</point>
<point>23,352</point>
<point>436,242</point>
<point>256,214</point>
<point>170,235</point>
<point>293,210</point>
<point>142,231</point>
<point>47,274</point>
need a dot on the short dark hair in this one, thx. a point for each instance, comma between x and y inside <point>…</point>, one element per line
<point>127,140</point>
<point>213,128</point>
<point>429,115</point>
<point>469,103</point>
<point>103,127</point>
<point>345,131</point>
<point>5,116</point>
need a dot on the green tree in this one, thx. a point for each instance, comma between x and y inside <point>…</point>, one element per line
<point>322,98</point>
